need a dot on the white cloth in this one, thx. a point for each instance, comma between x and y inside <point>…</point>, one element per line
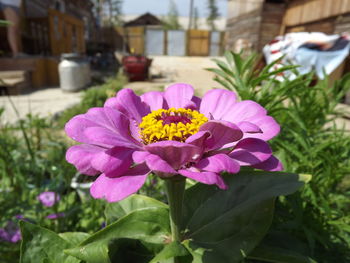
<point>288,49</point>
<point>15,3</point>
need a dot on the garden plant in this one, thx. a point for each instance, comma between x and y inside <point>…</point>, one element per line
<point>209,187</point>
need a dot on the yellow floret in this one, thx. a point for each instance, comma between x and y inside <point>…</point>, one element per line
<point>153,130</point>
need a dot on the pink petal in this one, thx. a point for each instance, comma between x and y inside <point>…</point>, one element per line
<point>218,163</point>
<point>174,153</point>
<point>197,101</point>
<point>121,123</point>
<point>107,120</point>
<point>116,189</point>
<point>244,111</point>
<point>204,177</point>
<point>113,162</point>
<point>270,128</point>
<point>217,102</point>
<point>272,164</point>
<point>130,104</point>
<point>248,127</point>
<point>107,138</point>
<point>222,132</point>
<point>140,156</point>
<point>179,95</point>
<point>154,99</point>
<point>199,139</point>
<point>81,156</point>
<point>76,126</point>
<point>135,131</point>
<point>158,165</point>
<point>251,151</point>
<point>98,116</point>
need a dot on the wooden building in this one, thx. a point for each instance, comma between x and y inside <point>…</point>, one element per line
<point>48,29</point>
<point>258,21</point>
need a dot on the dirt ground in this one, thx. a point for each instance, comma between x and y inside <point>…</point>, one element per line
<point>166,70</point>
<point>48,102</point>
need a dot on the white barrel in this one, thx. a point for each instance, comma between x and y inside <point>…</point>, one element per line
<point>74,72</point>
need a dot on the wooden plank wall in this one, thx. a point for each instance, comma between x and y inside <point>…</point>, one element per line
<point>302,12</point>
<point>198,42</point>
<point>66,33</point>
<point>135,37</point>
<point>245,28</point>
<point>271,20</point>
<point>326,26</point>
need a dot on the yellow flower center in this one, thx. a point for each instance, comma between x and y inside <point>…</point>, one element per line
<point>172,124</point>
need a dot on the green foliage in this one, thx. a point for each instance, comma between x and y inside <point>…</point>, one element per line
<point>195,18</point>
<point>213,14</point>
<point>229,231</point>
<point>4,23</point>
<point>211,233</point>
<point>310,142</point>
<point>42,245</point>
<point>276,254</point>
<point>171,21</point>
<point>114,211</point>
<point>150,225</point>
<point>32,160</point>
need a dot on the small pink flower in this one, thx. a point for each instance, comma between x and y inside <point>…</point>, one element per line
<point>10,233</point>
<point>55,216</point>
<point>48,199</point>
<point>169,133</point>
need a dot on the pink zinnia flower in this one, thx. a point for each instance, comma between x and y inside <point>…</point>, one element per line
<point>49,198</point>
<point>10,233</point>
<point>55,216</point>
<point>169,133</point>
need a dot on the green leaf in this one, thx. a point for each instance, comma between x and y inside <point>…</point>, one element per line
<point>129,250</point>
<point>226,225</point>
<point>74,238</point>
<point>174,249</point>
<point>41,245</point>
<point>278,255</point>
<point>5,23</point>
<point>117,210</point>
<point>150,225</point>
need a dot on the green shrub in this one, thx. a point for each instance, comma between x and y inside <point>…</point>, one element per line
<point>314,221</point>
<point>32,160</point>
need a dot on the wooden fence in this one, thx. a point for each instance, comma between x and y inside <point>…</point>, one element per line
<point>198,42</point>
<point>192,42</point>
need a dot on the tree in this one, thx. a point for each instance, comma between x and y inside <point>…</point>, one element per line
<point>108,12</point>
<point>195,18</point>
<point>213,14</point>
<point>171,21</point>
<point>116,12</point>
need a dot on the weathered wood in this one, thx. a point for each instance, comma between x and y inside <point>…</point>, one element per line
<point>136,39</point>
<point>314,10</point>
<point>326,26</point>
<point>272,20</point>
<point>198,42</point>
<point>66,33</point>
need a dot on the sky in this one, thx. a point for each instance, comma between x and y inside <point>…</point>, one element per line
<point>161,7</point>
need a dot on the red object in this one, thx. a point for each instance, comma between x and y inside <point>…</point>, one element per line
<point>275,51</point>
<point>136,67</point>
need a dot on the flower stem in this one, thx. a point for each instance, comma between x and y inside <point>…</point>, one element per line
<point>175,188</point>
